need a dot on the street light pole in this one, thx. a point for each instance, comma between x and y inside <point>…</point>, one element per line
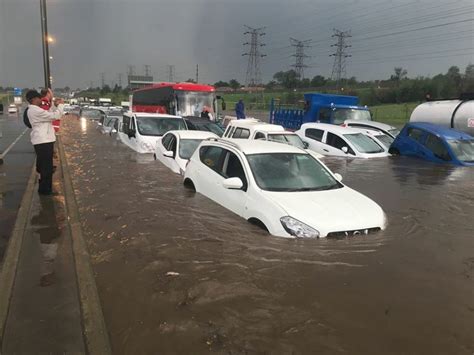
<point>45,41</point>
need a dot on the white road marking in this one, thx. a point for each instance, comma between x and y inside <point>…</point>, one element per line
<point>3,155</point>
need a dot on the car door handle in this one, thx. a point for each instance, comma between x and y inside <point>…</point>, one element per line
<point>326,150</point>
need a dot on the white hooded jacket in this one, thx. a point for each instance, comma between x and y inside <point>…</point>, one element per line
<point>41,121</point>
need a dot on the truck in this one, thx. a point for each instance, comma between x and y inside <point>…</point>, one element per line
<point>323,108</point>
<point>450,113</point>
<point>104,101</point>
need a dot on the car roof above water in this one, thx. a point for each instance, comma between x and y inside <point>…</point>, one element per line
<point>153,115</point>
<point>251,123</point>
<point>250,146</point>
<point>447,133</point>
<point>189,134</point>
<point>331,128</point>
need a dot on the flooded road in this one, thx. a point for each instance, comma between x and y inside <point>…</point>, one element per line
<point>178,274</point>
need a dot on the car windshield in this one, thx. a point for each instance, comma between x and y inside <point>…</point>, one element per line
<point>210,127</point>
<point>342,114</point>
<point>394,131</point>
<point>291,139</point>
<point>363,143</point>
<point>109,121</point>
<point>157,126</point>
<point>463,149</point>
<point>187,147</point>
<point>290,172</point>
<point>385,139</point>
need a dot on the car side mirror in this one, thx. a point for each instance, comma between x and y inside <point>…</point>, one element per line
<point>338,177</point>
<point>168,154</point>
<point>305,145</point>
<point>345,149</point>
<point>233,183</point>
<point>131,134</point>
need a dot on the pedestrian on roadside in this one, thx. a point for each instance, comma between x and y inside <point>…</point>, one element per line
<point>43,137</point>
<point>240,109</point>
<point>46,99</point>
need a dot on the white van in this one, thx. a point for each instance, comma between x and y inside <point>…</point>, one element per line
<point>141,131</point>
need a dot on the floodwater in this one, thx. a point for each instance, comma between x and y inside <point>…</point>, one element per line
<point>178,274</point>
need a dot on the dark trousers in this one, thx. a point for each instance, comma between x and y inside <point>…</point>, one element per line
<point>44,166</point>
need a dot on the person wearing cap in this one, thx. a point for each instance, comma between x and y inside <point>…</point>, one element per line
<point>43,137</point>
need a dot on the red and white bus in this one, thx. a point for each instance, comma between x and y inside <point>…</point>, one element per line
<point>181,99</point>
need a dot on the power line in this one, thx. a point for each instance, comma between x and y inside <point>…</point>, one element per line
<point>300,55</point>
<point>253,76</point>
<point>339,66</point>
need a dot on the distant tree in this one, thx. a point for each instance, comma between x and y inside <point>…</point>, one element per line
<point>454,74</point>
<point>399,75</point>
<point>116,89</point>
<point>67,88</point>
<point>289,79</point>
<point>221,84</point>
<point>318,81</point>
<point>105,90</point>
<point>468,82</point>
<point>305,83</point>
<point>234,84</point>
<point>352,81</point>
<point>191,81</point>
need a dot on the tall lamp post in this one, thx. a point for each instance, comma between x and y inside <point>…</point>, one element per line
<point>45,41</point>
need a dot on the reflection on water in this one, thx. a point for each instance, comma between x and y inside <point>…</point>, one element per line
<point>46,227</point>
<point>83,124</point>
<point>196,278</point>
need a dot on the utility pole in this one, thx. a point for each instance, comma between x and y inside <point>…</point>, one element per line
<point>300,55</point>
<point>171,73</point>
<point>147,70</point>
<point>102,80</point>
<point>119,79</point>
<point>339,68</point>
<point>197,73</point>
<point>253,76</point>
<point>45,41</point>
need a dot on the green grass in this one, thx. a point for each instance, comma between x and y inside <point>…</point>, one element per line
<point>394,114</point>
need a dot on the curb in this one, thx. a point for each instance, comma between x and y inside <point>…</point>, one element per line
<point>93,322</point>
<point>12,254</point>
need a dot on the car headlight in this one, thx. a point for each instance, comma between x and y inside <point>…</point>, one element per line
<point>298,229</point>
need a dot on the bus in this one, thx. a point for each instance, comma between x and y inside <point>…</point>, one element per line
<point>180,99</point>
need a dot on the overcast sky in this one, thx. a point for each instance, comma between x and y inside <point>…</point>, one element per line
<point>104,36</point>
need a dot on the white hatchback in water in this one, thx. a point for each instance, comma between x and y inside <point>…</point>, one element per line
<point>282,188</point>
<point>176,147</point>
<point>329,139</point>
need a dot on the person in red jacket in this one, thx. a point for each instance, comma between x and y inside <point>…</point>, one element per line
<point>46,98</point>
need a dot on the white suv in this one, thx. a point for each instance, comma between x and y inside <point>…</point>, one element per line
<point>280,187</point>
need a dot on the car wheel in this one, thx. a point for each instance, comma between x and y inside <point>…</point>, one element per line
<point>189,184</point>
<point>394,151</point>
<point>258,223</point>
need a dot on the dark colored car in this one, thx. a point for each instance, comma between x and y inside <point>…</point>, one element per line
<point>1,109</point>
<point>434,143</point>
<point>202,124</point>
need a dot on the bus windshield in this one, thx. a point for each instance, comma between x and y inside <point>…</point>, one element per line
<point>192,103</point>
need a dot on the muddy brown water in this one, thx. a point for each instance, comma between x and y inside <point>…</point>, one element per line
<point>234,289</point>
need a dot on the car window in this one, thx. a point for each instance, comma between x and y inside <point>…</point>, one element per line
<point>125,124</point>
<point>337,142</point>
<point>212,157</point>
<point>437,147</point>
<point>324,114</point>
<point>415,133</point>
<point>259,135</point>
<point>166,140</point>
<point>172,145</point>
<point>316,134</point>
<point>241,133</point>
<point>233,168</point>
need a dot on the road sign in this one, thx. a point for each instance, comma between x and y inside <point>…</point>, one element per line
<point>17,91</point>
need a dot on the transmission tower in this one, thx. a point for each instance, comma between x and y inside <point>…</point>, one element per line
<point>300,56</point>
<point>253,76</point>
<point>171,73</point>
<point>147,69</point>
<point>131,70</point>
<point>119,79</point>
<point>339,67</point>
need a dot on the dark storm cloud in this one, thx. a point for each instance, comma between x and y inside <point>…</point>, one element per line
<point>104,36</point>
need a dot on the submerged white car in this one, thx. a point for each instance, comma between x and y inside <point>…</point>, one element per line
<point>12,108</point>
<point>282,188</point>
<point>390,131</point>
<point>176,147</point>
<point>329,139</point>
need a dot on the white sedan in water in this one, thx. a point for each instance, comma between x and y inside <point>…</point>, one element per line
<point>329,139</point>
<point>176,147</point>
<point>281,188</point>
<point>12,108</point>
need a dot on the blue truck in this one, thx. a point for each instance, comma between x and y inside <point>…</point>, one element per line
<point>324,108</point>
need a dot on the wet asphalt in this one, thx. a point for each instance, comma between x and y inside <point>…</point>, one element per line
<point>179,274</point>
<point>14,173</point>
